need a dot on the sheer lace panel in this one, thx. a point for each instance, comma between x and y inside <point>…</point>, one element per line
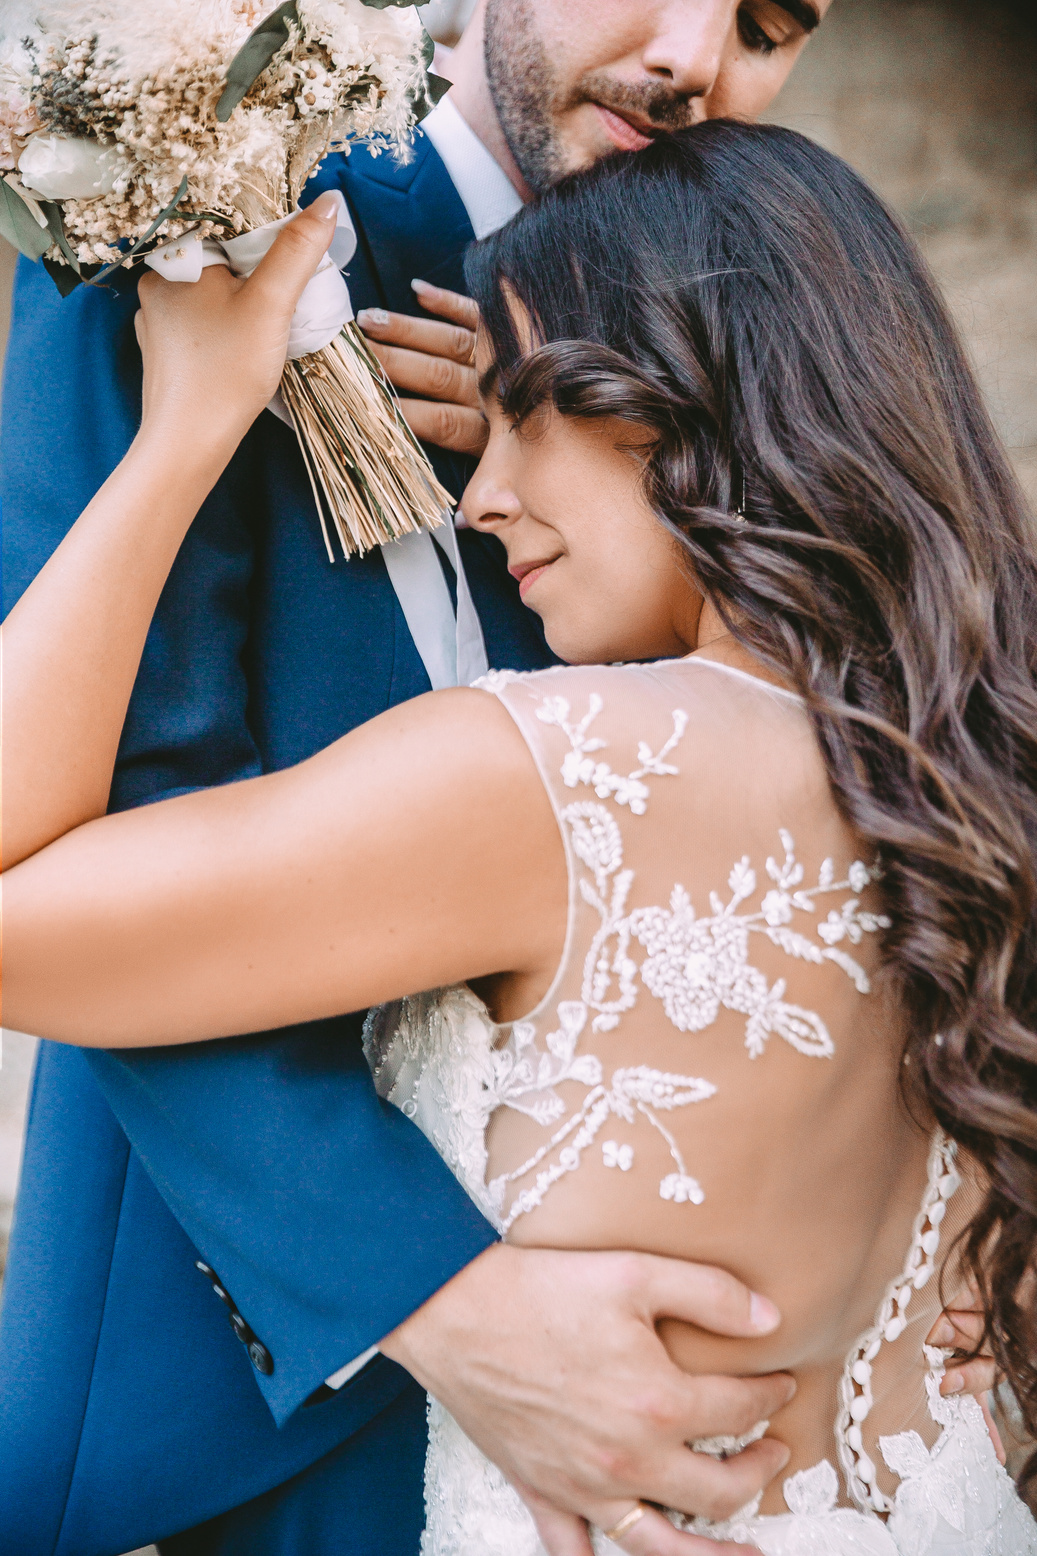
<point>694,963</point>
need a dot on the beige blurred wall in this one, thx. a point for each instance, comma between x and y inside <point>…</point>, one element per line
<point>935,102</point>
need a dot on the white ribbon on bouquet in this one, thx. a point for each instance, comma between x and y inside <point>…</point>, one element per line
<point>450,643</point>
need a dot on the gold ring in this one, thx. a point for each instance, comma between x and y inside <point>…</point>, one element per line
<point>635,1515</point>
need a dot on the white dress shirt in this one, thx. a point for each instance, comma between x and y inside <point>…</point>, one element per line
<point>486,191</point>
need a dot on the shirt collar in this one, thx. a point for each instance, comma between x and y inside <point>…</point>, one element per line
<point>485,190</point>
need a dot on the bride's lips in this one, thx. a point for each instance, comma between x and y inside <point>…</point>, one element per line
<point>624,134</point>
<point>527,573</point>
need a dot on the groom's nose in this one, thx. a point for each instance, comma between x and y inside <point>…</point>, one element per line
<point>687,42</point>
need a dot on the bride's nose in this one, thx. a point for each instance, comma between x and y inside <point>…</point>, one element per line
<point>490,502</point>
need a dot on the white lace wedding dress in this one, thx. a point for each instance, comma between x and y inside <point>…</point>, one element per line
<point>651,768</point>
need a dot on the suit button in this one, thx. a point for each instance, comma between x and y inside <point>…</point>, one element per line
<point>258,1354</point>
<point>260,1357</point>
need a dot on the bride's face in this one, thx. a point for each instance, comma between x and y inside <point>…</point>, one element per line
<point>564,496</point>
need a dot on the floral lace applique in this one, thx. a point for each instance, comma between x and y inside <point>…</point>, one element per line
<point>632,1091</point>
<point>695,966</point>
<point>698,965</point>
<point>440,1058</point>
<point>928,1491</point>
<point>578,767</point>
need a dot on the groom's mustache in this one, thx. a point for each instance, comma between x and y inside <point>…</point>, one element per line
<point>651,107</point>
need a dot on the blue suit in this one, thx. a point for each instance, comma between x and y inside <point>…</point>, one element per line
<point>129,1411</point>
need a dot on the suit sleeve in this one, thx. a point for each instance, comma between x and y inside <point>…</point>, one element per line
<point>71,407</point>
<point>326,1215</point>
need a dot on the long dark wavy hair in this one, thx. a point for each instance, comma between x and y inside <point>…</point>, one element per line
<point>744,297</point>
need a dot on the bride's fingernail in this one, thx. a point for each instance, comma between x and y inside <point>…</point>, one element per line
<point>326,206</point>
<point>953,1383</point>
<point>423,286</point>
<point>763,1315</point>
<point>372,316</point>
<point>943,1333</point>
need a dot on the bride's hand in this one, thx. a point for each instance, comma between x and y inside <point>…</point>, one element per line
<point>959,1329</point>
<point>214,349</point>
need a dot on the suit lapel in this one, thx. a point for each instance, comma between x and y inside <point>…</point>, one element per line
<point>410,223</point>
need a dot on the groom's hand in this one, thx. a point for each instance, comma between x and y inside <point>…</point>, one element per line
<point>551,1363</point>
<point>435,361</point>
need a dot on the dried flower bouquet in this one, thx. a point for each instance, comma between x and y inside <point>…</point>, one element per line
<point>134,131</point>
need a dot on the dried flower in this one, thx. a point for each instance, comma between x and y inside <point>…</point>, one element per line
<point>143,83</point>
<point>111,108</point>
<point>18,116</point>
<point>65,167</point>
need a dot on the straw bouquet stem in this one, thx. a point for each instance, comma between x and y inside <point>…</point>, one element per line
<point>369,474</point>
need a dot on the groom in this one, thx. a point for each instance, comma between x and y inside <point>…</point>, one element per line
<point>259,1178</point>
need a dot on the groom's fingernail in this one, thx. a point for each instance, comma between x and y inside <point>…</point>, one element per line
<point>763,1315</point>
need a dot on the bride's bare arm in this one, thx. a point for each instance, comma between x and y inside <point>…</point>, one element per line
<point>419,850</point>
<point>264,903</point>
<point>213,355</point>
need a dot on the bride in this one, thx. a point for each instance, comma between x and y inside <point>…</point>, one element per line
<point>729,922</point>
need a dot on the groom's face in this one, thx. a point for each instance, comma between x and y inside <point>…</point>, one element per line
<point>575,80</point>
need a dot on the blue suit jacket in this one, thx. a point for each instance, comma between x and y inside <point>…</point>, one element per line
<point>128,1409</point>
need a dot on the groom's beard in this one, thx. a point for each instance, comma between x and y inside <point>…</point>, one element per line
<point>530,98</point>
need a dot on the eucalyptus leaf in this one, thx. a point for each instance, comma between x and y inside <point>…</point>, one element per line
<point>436,87</point>
<point>156,224</point>
<point>19,226</point>
<point>64,277</point>
<point>56,225</point>
<point>255,55</point>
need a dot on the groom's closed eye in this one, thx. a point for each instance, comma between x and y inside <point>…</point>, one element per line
<point>770,24</point>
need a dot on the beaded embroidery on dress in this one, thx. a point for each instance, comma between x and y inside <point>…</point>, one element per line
<point>442,1060</point>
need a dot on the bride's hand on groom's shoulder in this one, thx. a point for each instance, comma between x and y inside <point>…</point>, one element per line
<point>552,1364</point>
<point>214,349</point>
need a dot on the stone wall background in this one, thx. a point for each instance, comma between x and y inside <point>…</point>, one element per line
<point>16,1056</point>
<point>935,102</point>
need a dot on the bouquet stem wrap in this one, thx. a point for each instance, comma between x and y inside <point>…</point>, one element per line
<point>370,477</point>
